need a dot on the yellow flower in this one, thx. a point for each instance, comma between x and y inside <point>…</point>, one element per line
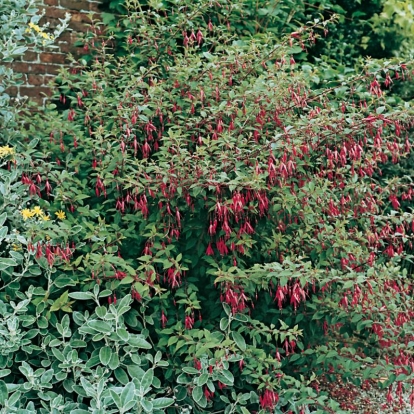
<point>6,150</point>
<point>17,247</point>
<point>60,215</point>
<point>37,211</point>
<point>45,217</point>
<point>26,213</point>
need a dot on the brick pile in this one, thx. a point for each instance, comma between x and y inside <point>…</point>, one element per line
<point>38,69</point>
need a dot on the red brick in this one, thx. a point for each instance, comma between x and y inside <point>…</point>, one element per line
<point>53,22</point>
<point>75,4</point>
<point>20,67</point>
<point>53,58</point>
<point>35,80</point>
<point>55,13</point>
<point>37,92</point>
<point>94,7</point>
<point>53,69</point>
<point>48,79</point>
<point>12,91</point>
<point>36,68</point>
<point>66,37</point>
<point>29,57</point>
<point>64,47</point>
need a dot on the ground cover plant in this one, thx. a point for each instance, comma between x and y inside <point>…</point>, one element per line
<point>206,226</point>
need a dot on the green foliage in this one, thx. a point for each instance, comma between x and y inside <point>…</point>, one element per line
<point>19,32</point>
<point>46,360</point>
<point>217,205</point>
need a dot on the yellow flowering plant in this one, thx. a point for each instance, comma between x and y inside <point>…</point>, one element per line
<point>20,31</point>
<point>6,151</point>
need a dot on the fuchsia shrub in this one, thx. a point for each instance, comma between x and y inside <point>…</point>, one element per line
<point>238,196</point>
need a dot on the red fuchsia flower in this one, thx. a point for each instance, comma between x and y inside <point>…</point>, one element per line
<point>263,202</point>
<point>49,255</point>
<point>222,247</point>
<point>280,295</point>
<point>209,251</point>
<point>110,300</point>
<point>388,80</point>
<point>164,319</point>
<point>208,394</point>
<point>71,115</point>
<point>146,149</point>
<point>378,330</point>
<point>356,295</point>
<point>197,364</point>
<point>344,301</point>
<point>100,187</point>
<point>199,37</point>
<point>226,228</point>
<point>221,385</point>
<point>174,277</point>
<point>297,295</point>
<point>268,400</point>
<point>389,251</point>
<point>235,297</point>
<point>48,188</point>
<point>120,275</point>
<point>135,295</point>
<point>394,201</point>
<point>375,88</point>
<point>189,322</point>
<point>39,251</point>
<point>390,398</point>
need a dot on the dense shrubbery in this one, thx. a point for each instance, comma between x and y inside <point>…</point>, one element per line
<point>219,234</point>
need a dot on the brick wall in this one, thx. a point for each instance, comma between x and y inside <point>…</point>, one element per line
<point>38,69</point>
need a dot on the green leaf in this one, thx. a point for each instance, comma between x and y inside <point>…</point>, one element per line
<point>139,342</point>
<point>224,323</point>
<point>14,398</point>
<point>5,263</point>
<point>4,372</point>
<point>190,370</point>
<point>160,403</point>
<point>180,392</point>
<point>123,334</point>
<point>116,399</point>
<point>100,326</point>
<point>197,393</point>
<point>127,394</point>
<point>202,379</point>
<point>105,354</point>
<point>229,377</point>
<point>3,392</point>
<point>146,381</point>
<point>121,376</point>
<point>3,232</point>
<point>240,342</point>
<point>81,295</point>
<point>147,406</point>
<point>114,361</point>
<point>3,218</point>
